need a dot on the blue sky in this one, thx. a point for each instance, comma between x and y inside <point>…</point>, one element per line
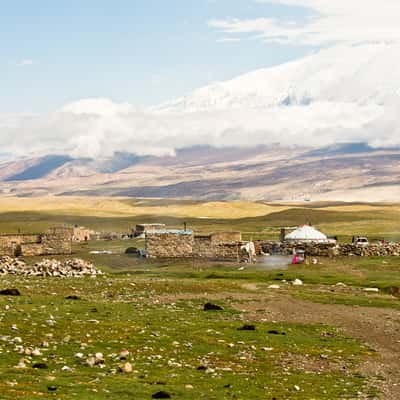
<point>139,51</point>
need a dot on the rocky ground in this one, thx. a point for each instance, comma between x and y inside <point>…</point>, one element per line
<point>189,331</point>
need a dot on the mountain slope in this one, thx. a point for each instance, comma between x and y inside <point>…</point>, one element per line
<point>272,173</point>
<point>355,74</point>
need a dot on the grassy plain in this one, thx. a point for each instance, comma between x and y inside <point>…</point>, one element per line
<point>317,341</point>
<point>254,219</point>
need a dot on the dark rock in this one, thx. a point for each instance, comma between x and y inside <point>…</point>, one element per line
<point>212,307</point>
<point>72,297</point>
<point>201,368</point>
<point>247,327</point>
<point>40,365</point>
<point>10,292</point>
<point>227,386</point>
<point>161,395</point>
<point>275,332</point>
<point>51,388</point>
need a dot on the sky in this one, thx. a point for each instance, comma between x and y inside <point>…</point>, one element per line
<point>87,77</point>
<point>139,51</point>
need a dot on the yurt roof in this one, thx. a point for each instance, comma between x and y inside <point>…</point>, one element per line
<point>306,232</point>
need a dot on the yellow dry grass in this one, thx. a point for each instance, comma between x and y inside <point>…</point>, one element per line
<point>114,207</point>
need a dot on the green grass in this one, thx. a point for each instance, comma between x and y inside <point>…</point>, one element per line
<point>130,317</point>
<point>136,308</point>
<point>349,299</point>
<point>377,222</point>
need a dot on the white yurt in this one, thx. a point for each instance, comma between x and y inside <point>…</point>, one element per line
<point>306,233</point>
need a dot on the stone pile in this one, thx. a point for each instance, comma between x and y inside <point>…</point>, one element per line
<point>66,268</point>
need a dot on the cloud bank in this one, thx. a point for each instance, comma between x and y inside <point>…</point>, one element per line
<point>347,93</point>
<point>330,22</point>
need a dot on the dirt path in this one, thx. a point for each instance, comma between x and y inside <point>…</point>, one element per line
<point>379,328</point>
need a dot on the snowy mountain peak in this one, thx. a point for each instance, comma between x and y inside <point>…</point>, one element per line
<point>358,74</point>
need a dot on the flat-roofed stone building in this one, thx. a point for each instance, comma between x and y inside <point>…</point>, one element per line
<point>57,240</point>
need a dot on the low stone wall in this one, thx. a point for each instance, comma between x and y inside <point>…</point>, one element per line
<point>315,249</point>
<point>372,250</point>
<point>169,245</point>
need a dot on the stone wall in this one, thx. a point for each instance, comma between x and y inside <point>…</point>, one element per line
<point>57,241</point>
<point>227,251</point>
<point>223,246</point>
<point>169,245</point>
<point>203,247</point>
<point>373,250</point>
<point>54,241</point>
<point>315,249</point>
<point>226,237</point>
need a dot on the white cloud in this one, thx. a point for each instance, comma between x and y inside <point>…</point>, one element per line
<point>25,63</point>
<point>228,40</point>
<point>333,21</point>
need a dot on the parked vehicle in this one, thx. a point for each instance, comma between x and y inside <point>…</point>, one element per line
<point>360,241</point>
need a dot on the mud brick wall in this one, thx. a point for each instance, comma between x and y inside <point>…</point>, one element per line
<point>169,245</point>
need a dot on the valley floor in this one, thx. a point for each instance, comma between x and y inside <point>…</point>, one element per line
<point>320,340</point>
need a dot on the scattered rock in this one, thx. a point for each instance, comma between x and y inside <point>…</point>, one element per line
<point>371,290</point>
<point>126,367</point>
<point>212,307</point>
<point>124,354</point>
<point>274,287</point>
<point>275,332</point>
<point>10,292</point>
<point>72,297</point>
<point>161,395</point>
<point>40,365</point>
<point>247,327</point>
<point>297,282</point>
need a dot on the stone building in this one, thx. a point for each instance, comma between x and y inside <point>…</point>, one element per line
<point>224,246</point>
<point>81,234</point>
<point>141,229</point>
<point>169,244</point>
<point>57,240</point>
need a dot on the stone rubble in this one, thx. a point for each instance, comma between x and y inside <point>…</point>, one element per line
<point>55,268</point>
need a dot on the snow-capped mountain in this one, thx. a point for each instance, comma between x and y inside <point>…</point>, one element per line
<point>364,75</point>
